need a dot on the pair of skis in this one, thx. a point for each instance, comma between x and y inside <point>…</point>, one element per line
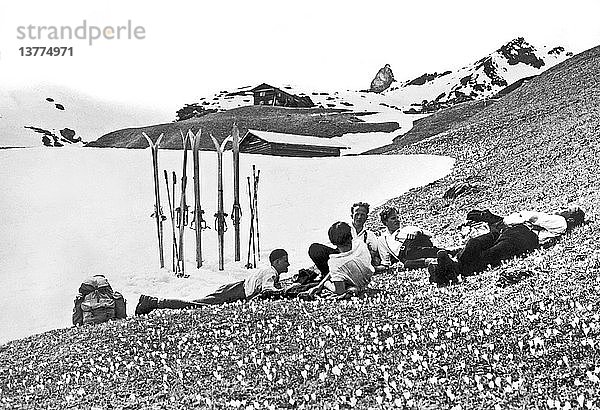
<point>179,216</point>
<point>236,213</point>
<point>254,234</point>
<point>158,215</point>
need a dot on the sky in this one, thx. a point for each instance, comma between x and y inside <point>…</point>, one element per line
<point>193,48</point>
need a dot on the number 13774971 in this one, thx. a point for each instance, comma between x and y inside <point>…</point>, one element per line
<point>46,51</point>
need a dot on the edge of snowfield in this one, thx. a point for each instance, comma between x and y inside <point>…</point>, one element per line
<point>72,212</point>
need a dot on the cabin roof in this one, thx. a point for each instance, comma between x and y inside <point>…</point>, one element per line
<point>281,138</point>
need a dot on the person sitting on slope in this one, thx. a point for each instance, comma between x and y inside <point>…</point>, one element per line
<point>514,235</point>
<point>359,211</point>
<point>349,269</point>
<point>408,247</point>
<point>262,281</point>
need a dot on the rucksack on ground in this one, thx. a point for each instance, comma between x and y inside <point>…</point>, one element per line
<point>97,302</point>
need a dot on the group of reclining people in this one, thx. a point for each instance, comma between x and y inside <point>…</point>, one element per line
<point>346,269</point>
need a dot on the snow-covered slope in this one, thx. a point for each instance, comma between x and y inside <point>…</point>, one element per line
<point>358,101</point>
<point>55,116</point>
<point>485,77</point>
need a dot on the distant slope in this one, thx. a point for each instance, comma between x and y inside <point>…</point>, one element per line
<point>481,79</point>
<point>436,123</point>
<point>535,148</point>
<point>319,122</point>
<point>36,115</point>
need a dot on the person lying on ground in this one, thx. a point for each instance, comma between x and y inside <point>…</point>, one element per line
<point>264,280</point>
<point>407,247</point>
<point>548,227</point>
<point>514,235</point>
<point>349,270</point>
<point>359,211</point>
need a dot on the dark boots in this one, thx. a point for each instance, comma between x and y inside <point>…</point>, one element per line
<point>146,304</point>
<point>444,271</point>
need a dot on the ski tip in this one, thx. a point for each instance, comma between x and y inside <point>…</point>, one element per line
<point>215,142</point>
<point>150,143</point>
<point>159,139</point>
<point>225,141</point>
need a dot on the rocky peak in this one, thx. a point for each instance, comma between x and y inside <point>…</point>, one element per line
<point>519,51</point>
<point>382,80</point>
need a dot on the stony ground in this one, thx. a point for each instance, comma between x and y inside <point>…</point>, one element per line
<point>524,335</point>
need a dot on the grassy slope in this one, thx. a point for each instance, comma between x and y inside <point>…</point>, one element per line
<point>445,120</point>
<point>407,344</point>
<point>307,121</point>
<point>436,123</point>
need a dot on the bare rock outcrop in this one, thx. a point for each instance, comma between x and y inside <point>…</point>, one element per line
<point>382,80</point>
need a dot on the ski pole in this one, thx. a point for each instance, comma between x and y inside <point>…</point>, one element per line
<point>256,212</point>
<point>251,234</point>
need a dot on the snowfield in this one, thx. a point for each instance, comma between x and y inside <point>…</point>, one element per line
<point>72,212</point>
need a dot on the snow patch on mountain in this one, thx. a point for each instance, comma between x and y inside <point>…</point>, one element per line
<point>482,79</point>
<point>55,116</point>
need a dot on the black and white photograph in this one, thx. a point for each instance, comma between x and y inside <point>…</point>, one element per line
<point>299,205</point>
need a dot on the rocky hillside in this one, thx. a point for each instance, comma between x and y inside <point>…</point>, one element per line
<point>537,147</point>
<point>523,335</point>
<point>481,79</point>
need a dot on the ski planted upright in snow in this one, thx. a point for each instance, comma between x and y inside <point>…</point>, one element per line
<point>256,180</point>
<point>220,221</point>
<point>183,208</point>
<point>251,242</point>
<point>172,214</point>
<point>236,212</point>
<point>198,222</point>
<point>157,208</point>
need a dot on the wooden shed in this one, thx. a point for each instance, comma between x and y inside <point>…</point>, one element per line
<point>289,145</point>
<point>266,94</point>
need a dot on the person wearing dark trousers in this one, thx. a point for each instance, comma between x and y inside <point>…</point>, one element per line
<point>407,247</point>
<point>264,280</point>
<point>359,212</point>
<point>350,269</point>
<point>319,254</point>
<point>514,235</point>
<point>494,247</point>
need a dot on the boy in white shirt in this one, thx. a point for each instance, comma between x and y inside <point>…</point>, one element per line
<point>359,211</point>
<point>266,279</point>
<point>350,269</point>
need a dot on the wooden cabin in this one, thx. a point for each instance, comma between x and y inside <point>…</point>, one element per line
<point>289,145</point>
<point>266,94</point>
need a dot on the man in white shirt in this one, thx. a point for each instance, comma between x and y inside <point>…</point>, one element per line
<point>350,269</point>
<point>408,247</point>
<point>266,279</point>
<point>359,211</point>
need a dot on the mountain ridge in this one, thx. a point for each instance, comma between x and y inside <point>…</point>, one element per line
<point>479,80</point>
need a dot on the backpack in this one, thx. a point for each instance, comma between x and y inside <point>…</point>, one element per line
<point>97,303</point>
